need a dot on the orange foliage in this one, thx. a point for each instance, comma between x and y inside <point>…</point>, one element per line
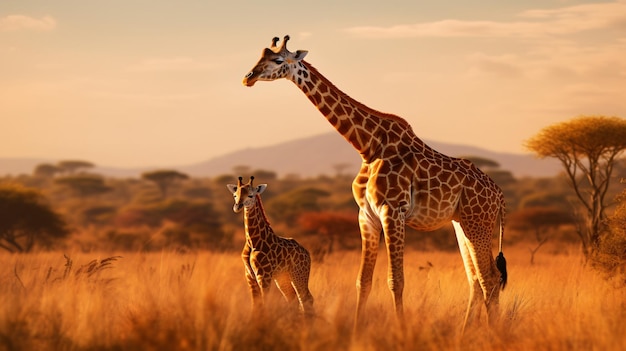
<point>329,223</point>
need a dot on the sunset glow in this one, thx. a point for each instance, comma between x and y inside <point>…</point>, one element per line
<point>158,83</point>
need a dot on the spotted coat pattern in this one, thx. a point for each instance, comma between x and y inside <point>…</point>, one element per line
<point>402,181</point>
<point>267,256</point>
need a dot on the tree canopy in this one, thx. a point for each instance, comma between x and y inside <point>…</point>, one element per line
<point>84,185</point>
<point>25,218</point>
<point>588,147</point>
<point>72,166</point>
<point>164,179</point>
<point>585,137</point>
<point>482,162</point>
<point>46,170</point>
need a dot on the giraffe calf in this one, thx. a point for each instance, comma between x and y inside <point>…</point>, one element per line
<point>267,256</point>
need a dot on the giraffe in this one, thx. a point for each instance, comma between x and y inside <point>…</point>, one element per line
<point>267,256</point>
<point>402,181</point>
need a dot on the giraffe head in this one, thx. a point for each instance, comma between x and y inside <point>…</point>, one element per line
<point>275,63</point>
<point>245,194</point>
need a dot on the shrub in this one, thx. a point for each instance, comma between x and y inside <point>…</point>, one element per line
<point>611,253</point>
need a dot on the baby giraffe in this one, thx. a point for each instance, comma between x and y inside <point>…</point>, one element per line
<point>267,256</point>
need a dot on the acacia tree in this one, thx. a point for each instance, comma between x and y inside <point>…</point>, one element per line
<point>73,166</point>
<point>588,147</point>
<point>164,179</point>
<point>492,168</point>
<point>46,170</point>
<point>288,205</point>
<point>25,219</point>
<point>341,168</point>
<point>84,185</point>
<point>482,162</point>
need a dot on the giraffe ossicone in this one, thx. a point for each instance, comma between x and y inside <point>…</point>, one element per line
<point>403,181</point>
<point>267,256</point>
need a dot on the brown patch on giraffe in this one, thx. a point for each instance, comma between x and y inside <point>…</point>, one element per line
<point>324,109</point>
<point>369,124</point>
<point>343,127</point>
<point>311,86</point>
<point>339,111</point>
<point>347,108</point>
<point>330,101</point>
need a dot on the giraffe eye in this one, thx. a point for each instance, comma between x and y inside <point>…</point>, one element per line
<point>279,60</point>
<point>250,196</point>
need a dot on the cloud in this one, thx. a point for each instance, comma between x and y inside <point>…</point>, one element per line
<point>20,22</point>
<point>171,64</point>
<point>443,28</point>
<point>582,17</point>
<point>505,66</point>
<point>565,62</point>
<point>532,23</point>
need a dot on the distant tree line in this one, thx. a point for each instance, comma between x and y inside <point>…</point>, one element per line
<point>64,204</point>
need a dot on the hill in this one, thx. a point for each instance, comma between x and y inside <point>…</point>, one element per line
<point>321,154</point>
<point>308,157</point>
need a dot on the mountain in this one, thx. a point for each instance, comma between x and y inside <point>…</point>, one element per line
<point>16,166</point>
<point>308,157</point>
<point>321,154</point>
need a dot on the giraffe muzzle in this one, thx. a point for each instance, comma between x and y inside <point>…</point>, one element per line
<point>249,79</point>
<point>237,207</point>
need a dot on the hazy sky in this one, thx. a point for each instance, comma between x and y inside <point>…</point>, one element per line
<point>133,83</point>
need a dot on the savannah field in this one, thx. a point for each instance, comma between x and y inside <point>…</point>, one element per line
<point>200,301</point>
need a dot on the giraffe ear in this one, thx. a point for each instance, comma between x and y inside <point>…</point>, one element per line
<point>261,188</point>
<point>300,54</point>
<point>232,188</point>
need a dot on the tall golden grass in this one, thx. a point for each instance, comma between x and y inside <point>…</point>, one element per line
<point>200,301</point>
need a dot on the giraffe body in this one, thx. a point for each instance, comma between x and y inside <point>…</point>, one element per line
<point>402,181</point>
<point>267,256</point>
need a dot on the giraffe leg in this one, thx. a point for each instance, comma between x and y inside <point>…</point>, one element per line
<point>306,301</point>
<point>300,281</point>
<point>305,298</point>
<point>489,279</point>
<point>264,281</point>
<point>493,305</point>
<point>394,239</point>
<point>283,282</point>
<point>255,290</point>
<point>478,247</point>
<point>257,295</point>
<point>370,237</point>
<point>475,297</point>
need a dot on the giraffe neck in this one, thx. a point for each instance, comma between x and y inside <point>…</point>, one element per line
<point>257,226</point>
<point>366,129</point>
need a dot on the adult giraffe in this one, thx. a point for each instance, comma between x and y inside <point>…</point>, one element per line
<point>403,181</point>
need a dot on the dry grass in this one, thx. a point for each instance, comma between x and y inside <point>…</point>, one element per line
<point>173,301</point>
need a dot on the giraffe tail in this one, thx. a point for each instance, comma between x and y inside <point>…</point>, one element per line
<point>500,260</point>
<point>501,265</point>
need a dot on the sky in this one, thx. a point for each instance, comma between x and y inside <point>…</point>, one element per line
<point>155,83</point>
